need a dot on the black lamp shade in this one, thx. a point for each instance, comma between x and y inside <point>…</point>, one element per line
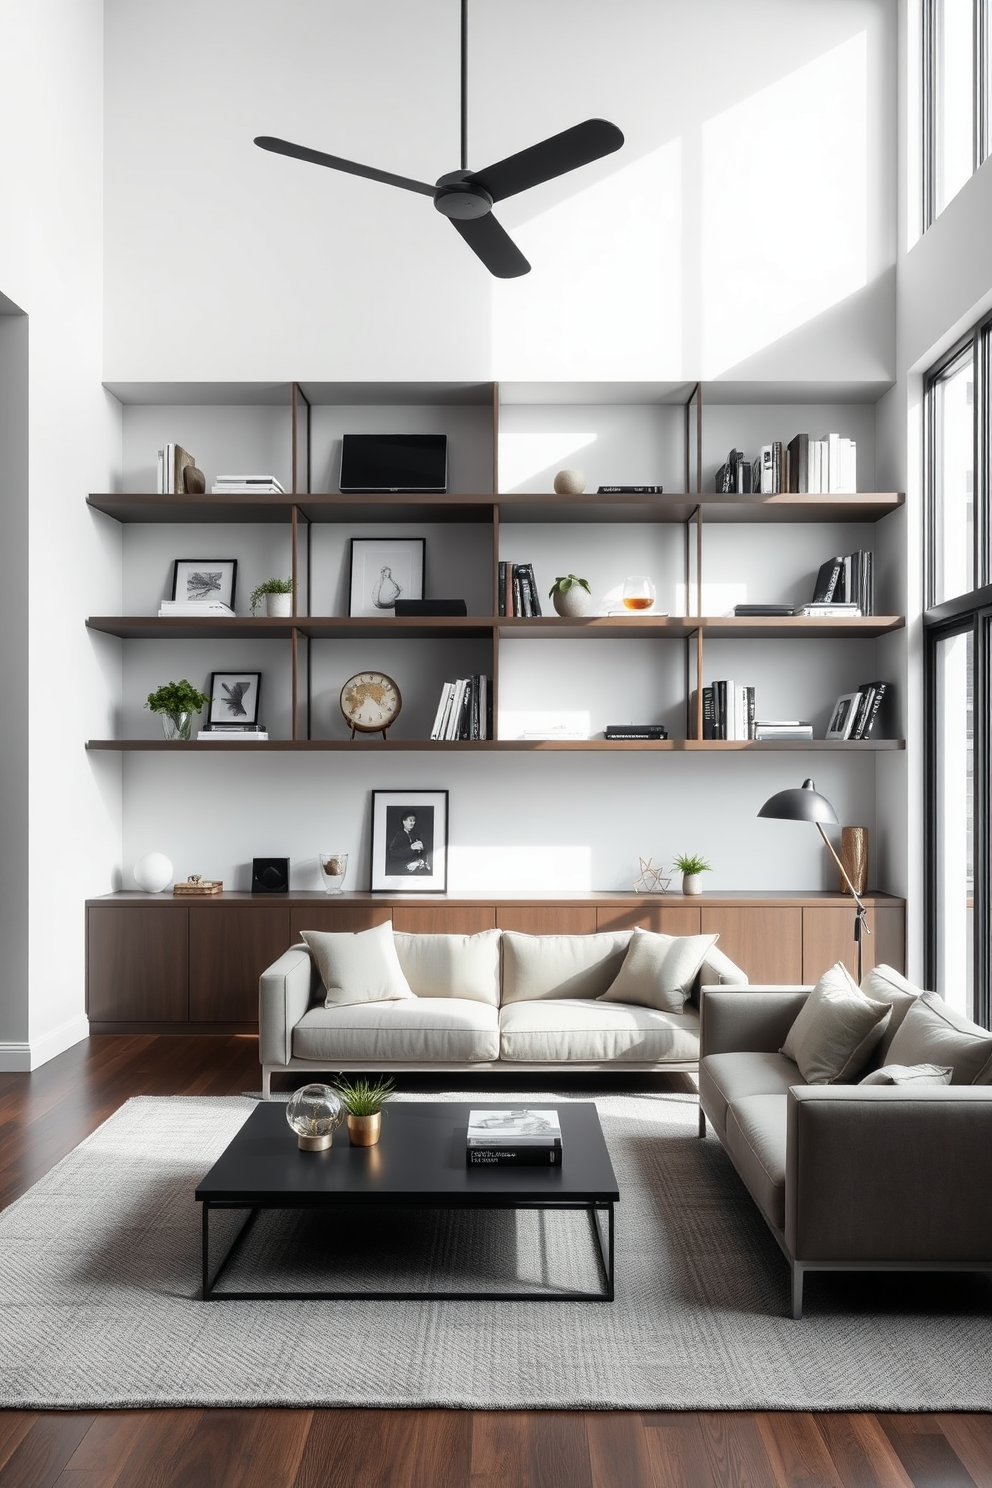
<point>802,804</point>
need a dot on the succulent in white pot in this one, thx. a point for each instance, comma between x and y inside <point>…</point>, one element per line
<point>692,867</point>
<point>570,595</point>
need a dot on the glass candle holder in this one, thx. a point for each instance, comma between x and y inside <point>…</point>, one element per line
<point>638,592</point>
<point>333,867</point>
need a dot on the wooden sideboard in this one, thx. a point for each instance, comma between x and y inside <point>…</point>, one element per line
<point>158,964</point>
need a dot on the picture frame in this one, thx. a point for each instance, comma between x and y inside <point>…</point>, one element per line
<point>383,570</point>
<point>409,856</point>
<point>842,716</point>
<point>234,698</point>
<point>201,579</point>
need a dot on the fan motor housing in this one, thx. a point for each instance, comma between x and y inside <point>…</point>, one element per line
<point>457,197</point>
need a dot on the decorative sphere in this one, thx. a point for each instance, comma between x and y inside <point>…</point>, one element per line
<point>315,1113</point>
<point>153,872</point>
<point>570,482</point>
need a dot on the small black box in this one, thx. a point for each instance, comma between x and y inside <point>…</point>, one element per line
<point>417,607</point>
<point>270,875</point>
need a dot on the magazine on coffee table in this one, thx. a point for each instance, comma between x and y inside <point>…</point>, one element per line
<point>513,1135</point>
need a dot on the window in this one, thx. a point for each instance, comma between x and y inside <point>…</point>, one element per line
<point>956,97</point>
<point>958,664</point>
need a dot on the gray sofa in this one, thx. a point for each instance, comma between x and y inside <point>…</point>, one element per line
<point>498,1000</point>
<point>852,1176</point>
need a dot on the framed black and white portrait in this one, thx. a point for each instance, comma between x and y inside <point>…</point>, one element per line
<point>234,699</point>
<point>198,579</point>
<point>842,717</point>
<point>410,841</point>
<point>383,570</point>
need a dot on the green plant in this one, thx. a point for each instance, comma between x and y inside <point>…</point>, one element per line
<point>177,697</point>
<point>364,1097</point>
<point>690,863</point>
<point>564,582</point>
<point>269,586</point>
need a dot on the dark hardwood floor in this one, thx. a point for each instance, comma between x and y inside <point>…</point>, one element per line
<point>45,1114</point>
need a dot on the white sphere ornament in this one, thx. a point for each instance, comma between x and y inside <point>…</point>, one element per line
<point>153,872</point>
<point>570,482</point>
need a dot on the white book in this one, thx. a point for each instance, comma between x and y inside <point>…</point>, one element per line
<point>767,470</point>
<point>443,704</point>
<point>160,473</point>
<point>453,728</point>
<point>523,1126</point>
<point>849,465</point>
<point>833,478</point>
<point>214,607</point>
<point>241,735</point>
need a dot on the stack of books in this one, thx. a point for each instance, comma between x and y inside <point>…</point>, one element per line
<point>519,1136</point>
<point>172,462</point>
<point>728,710</point>
<point>247,485</point>
<point>464,710</point>
<point>828,465</point>
<point>768,729</point>
<point>847,579</point>
<point>517,590</point>
<point>232,731</point>
<point>200,607</point>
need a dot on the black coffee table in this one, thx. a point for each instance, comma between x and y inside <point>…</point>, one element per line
<point>419,1163</point>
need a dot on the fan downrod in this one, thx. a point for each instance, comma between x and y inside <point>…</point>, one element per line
<point>461,199</point>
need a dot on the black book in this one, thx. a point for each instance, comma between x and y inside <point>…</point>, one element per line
<point>501,587</point>
<point>629,490</point>
<point>827,580</point>
<point>531,1156</point>
<point>635,731</point>
<point>518,608</point>
<point>799,463</point>
<point>878,692</point>
<point>744,610</point>
<point>708,713</point>
<point>866,692</point>
<point>719,710</point>
<point>527,576</point>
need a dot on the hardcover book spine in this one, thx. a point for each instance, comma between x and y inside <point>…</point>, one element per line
<point>708,713</point>
<point>876,702</point>
<point>501,588</point>
<point>532,1156</point>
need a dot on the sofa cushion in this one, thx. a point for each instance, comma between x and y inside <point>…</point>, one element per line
<point>756,1140</point>
<point>594,1032</point>
<point>416,1030</point>
<point>885,984</point>
<point>560,965</point>
<point>725,1078</point>
<point>909,1074</point>
<point>357,967</point>
<point>836,1030</point>
<point>658,970</point>
<point>451,965</point>
<point>931,1033</point>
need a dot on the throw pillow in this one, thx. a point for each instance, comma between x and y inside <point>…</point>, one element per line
<point>556,966</point>
<point>451,965</point>
<point>359,967</point>
<point>836,1031</point>
<point>885,984</point>
<point>932,1033</point>
<point>910,1074</point>
<point>658,970</point>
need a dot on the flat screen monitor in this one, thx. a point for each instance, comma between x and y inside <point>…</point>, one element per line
<point>394,462</point>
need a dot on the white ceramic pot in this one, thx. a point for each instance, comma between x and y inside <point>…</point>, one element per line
<point>692,883</point>
<point>278,604</point>
<point>572,602</point>
<point>153,872</point>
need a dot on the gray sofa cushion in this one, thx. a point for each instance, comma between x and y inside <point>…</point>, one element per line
<point>932,1033</point>
<point>756,1139</point>
<point>724,1078</point>
<point>594,1032</point>
<point>885,984</point>
<point>418,1030</point>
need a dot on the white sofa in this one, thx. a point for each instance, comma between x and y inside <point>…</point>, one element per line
<point>495,1000</point>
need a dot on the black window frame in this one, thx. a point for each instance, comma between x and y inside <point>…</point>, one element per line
<point>981,119</point>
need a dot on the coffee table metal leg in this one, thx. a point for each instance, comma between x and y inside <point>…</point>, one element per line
<point>208,1286</point>
<point>606,1243</point>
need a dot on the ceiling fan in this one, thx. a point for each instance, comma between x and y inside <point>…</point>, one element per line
<point>465,196</point>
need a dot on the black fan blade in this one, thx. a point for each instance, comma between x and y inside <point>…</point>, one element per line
<point>553,157</point>
<point>497,250</point>
<point>317,157</point>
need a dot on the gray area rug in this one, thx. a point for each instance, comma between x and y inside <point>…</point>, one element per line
<point>99,1305</point>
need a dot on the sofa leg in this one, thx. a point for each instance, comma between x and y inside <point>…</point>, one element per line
<point>702,1122</point>
<point>266,1082</point>
<point>797,1290</point>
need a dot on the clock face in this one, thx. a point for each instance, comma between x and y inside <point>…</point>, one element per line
<point>370,701</point>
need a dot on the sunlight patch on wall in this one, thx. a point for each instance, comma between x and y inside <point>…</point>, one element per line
<point>534,868</point>
<point>604,296</point>
<point>784,205</point>
<point>523,456</point>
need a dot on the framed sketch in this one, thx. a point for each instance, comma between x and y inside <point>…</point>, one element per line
<point>410,841</point>
<point>383,570</point>
<point>234,699</point>
<point>195,579</point>
<point>842,717</point>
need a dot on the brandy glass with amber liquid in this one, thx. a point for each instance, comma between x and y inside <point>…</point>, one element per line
<point>638,593</point>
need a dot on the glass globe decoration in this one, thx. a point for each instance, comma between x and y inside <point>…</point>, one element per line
<point>315,1113</point>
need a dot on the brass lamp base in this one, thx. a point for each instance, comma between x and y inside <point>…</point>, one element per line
<point>315,1144</point>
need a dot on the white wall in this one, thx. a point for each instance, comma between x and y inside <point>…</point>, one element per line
<point>51,266</point>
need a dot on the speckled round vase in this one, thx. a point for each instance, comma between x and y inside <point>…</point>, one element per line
<point>570,482</point>
<point>854,856</point>
<point>572,602</point>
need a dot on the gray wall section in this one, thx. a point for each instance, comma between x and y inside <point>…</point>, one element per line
<point>14,674</point>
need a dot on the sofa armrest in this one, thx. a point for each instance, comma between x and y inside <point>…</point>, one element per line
<point>283,998</point>
<point>752,1019</point>
<point>717,970</point>
<point>889,1173</point>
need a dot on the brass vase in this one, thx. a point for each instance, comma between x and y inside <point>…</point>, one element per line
<point>364,1130</point>
<point>854,856</point>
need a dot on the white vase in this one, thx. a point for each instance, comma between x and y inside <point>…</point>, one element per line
<point>692,883</point>
<point>278,604</point>
<point>572,602</point>
<point>153,872</point>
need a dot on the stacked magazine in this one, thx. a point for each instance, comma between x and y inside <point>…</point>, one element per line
<point>516,1136</point>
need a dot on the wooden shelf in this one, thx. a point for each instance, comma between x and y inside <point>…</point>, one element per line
<point>499,746</point>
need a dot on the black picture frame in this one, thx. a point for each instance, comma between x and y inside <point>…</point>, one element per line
<point>409,857</point>
<point>201,579</point>
<point>234,699</point>
<point>385,568</point>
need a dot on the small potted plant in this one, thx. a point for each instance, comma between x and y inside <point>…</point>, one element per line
<point>691,867</point>
<point>177,702</point>
<point>363,1100</point>
<point>278,596</point>
<point>570,595</point>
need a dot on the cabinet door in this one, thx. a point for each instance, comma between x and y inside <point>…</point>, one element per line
<point>664,919</point>
<point>341,917</point>
<point>766,943</point>
<point>228,951</point>
<point>136,964</point>
<point>547,919</point>
<point>828,936</point>
<point>442,919</point>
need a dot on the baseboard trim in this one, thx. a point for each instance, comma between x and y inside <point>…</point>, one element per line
<point>17,1057</point>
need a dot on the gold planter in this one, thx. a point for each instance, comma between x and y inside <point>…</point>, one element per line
<point>854,856</point>
<point>364,1130</point>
